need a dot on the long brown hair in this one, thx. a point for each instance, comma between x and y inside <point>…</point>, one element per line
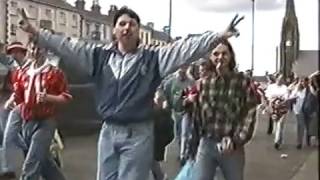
<point>232,63</point>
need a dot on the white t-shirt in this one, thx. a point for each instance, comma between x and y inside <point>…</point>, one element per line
<point>299,95</point>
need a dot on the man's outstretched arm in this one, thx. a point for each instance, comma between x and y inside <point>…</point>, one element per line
<point>73,51</point>
<point>185,51</point>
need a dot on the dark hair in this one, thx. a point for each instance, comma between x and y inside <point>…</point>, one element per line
<point>232,63</point>
<point>125,10</point>
<point>271,78</point>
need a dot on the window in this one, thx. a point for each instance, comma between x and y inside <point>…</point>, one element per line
<point>74,17</point>
<point>49,13</point>
<point>13,30</point>
<point>147,38</point>
<point>88,29</point>
<point>62,18</point>
<point>33,12</point>
<point>14,8</point>
<point>96,34</point>
<point>60,33</point>
<point>74,20</point>
<point>109,33</point>
<point>142,37</point>
<point>14,4</point>
<point>97,26</point>
<point>46,24</point>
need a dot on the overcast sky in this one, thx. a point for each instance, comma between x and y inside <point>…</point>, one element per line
<point>197,16</point>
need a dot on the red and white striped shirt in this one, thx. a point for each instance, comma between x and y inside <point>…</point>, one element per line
<point>29,81</point>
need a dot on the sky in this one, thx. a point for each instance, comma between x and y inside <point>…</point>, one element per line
<point>197,16</point>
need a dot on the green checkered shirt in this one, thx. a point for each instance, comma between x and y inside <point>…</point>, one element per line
<point>227,107</point>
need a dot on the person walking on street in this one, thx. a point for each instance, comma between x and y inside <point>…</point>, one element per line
<point>226,115</point>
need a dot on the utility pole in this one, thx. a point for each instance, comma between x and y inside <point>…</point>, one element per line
<point>170,20</point>
<point>277,59</point>
<point>252,44</point>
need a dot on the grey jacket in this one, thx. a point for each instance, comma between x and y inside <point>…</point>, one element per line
<point>125,84</point>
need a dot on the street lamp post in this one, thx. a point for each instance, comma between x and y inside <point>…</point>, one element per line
<point>252,43</point>
<point>170,20</point>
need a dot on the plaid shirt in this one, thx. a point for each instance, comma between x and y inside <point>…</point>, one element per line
<point>226,106</point>
<point>51,79</point>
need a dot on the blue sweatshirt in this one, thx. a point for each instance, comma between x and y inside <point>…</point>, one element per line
<point>125,84</point>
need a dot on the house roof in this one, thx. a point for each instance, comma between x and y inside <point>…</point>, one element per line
<point>159,35</point>
<point>89,15</point>
<point>93,16</point>
<point>57,3</point>
<point>146,27</point>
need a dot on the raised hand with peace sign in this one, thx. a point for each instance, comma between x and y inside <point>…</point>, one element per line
<point>231,29</point>
<point>24,23</point>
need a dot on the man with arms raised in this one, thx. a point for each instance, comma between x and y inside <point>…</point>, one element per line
<point>126,76</point>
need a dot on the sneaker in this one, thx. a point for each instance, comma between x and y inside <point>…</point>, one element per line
<point>277,146</point>
<point>299,146</point>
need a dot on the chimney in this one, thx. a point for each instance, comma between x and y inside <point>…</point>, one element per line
<point>80,4</point>
<point>150,25</point>
<point>95,6</point>
<point>112,11</point>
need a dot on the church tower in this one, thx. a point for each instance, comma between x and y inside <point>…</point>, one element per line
<point>289,45</point>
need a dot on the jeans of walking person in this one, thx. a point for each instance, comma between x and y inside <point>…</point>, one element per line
<point>209,158</point>
<point>125,152</point>
<point>38,135</point>
<point>12,141</point>
<point>314,124</point>
<point>279,129</point>
<point>177,118</point>
<point>302,127</point>
<point>3,123</point>
<point>185,133</point>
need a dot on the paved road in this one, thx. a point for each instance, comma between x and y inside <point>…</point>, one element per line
<point>262,161</point>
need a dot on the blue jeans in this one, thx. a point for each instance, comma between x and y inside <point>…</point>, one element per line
<point>279,129</point>
<point>209,158</point>
<point>11,141</point>
<point>3,123</point>
<point>185,134</point>
<point>38,135</point>
<point>302,126</point>
<point>125,152</point>
<point>177,118</point>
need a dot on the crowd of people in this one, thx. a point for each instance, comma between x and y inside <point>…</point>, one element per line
<point>207,105</point>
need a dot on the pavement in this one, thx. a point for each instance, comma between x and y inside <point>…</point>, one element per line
<point>310,169</point>
<point>263,162</point>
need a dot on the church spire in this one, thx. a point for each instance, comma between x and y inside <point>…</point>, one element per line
<point>289,45</point>
<point>290,9</point>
